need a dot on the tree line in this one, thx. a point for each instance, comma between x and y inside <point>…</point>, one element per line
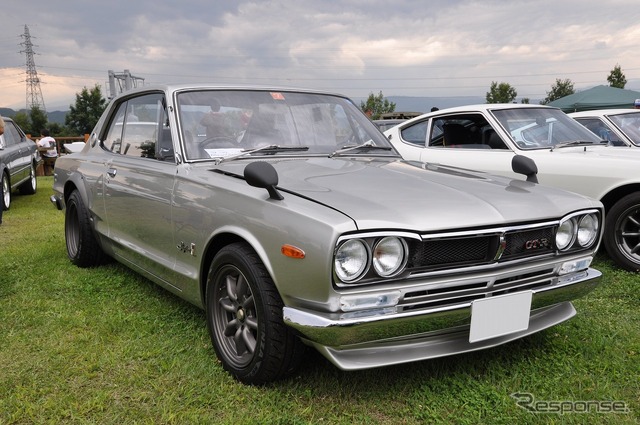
<point>81,118</point>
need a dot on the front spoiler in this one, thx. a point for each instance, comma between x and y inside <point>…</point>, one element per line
<point>392,338</point>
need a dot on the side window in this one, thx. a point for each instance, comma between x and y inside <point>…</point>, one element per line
<point>113,140</point>
<point>11,134</point>
<point>135,127</point>
<point>416,134</point>
<point>599,128</point>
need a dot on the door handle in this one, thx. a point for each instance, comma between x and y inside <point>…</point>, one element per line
<point>111,172</point>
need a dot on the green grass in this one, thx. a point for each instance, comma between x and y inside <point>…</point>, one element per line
<point>106,346</point>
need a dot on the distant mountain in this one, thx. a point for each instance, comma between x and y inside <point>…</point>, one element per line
<point>55,116</point>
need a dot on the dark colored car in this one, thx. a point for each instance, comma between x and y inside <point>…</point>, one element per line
<point>18,161</point>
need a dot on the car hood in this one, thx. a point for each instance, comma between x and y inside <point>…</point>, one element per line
<point>400,194</point>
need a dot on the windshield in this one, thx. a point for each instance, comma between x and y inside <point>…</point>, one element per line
<point>629,124</point>
<point>542,128</point>
<point>223,123</point>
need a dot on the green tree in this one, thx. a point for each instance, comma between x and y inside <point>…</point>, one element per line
<point>22,119</point>
<point>501,93</point>
<point>525,100</point>
<point>84,115</point>
<point>375,106</point>
<point>37,121</point>
<point>616,78</point>
<point>561,88</point>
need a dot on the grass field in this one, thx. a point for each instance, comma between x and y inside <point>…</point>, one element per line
<point>106,346</point>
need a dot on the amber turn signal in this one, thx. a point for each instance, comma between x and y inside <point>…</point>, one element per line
<point>292,251</point>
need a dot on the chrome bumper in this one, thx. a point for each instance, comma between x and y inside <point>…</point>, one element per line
<point>391,337</point>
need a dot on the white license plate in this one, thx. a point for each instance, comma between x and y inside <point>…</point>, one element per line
<point>501,315</point>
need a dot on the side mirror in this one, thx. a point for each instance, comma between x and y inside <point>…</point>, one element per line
<point>525,165</point>
<point>262,174</point>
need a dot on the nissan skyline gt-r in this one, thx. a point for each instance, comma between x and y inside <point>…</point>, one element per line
<point>291,221</point>
<point>567,155</point>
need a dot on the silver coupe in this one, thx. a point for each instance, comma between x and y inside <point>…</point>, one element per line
<point>292,222</point>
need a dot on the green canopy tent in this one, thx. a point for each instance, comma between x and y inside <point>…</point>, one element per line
<point>598,97</point>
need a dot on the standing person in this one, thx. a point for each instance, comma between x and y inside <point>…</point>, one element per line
<point>49,155</point>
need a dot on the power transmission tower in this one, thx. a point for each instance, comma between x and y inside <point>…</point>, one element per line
<point>34,92</point>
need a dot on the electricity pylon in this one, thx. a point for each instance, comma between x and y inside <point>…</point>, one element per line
<point>34,92</point>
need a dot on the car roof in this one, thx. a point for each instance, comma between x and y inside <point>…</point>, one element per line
<point>213,86</point>
<point>475,108</point>
<point>603,112</point>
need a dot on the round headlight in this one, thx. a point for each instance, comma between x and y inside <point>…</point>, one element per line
<point>351,260</point>
<point>565,234</point>
<point>389,256</point>
<point>587,230</point>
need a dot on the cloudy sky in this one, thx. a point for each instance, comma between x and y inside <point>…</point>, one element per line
<point>436,48</point>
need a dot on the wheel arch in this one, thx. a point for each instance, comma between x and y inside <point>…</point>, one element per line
<point>618,193</point>
<point>215,244</point>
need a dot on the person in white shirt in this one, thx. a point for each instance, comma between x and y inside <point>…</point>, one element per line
<point>46,141</point>
<point>48,150</point>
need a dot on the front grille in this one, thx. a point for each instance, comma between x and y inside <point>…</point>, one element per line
<point>455,294</point>
<point>457,251</point>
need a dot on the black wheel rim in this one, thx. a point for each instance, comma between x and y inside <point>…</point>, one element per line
<point>628,233</point>
<point>235,320</point>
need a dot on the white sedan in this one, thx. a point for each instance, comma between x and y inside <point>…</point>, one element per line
<point>618,126</point>
<point>487,137</point>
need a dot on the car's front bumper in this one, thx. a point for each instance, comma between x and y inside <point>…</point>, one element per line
<point>391,337</point>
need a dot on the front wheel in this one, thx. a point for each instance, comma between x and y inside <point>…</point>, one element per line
<point>622,232</point>
<point>244,317</point>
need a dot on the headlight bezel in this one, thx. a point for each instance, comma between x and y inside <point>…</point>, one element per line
<point>581,221</point>
<point>372,240</point>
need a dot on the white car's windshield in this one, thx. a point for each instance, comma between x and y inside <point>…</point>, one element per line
<point>629,124</point>
<point>543,128</point>
<point>224,123</point>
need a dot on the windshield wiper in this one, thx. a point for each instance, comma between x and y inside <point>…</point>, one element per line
<point>265,149</point>
<point>366,145</point>
<point>577,143</point>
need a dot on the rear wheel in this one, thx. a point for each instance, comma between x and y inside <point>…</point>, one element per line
<point>622,232</point>
<point>244,317</point>
<point>30,186</point>
<point>82,246</point>
<point>6,191</point>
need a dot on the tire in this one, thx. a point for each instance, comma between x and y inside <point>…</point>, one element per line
<point>622,232</point>
<point>244,317</point>
<point>30,186</point>
<point>83,248</point>
<point>5,190</point>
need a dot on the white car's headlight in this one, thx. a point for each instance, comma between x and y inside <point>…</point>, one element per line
<point>565,234</point>
<point>587,230</point>
<point>389,256</point>
<point>351,260</point>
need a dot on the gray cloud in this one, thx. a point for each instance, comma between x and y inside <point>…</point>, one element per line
<point>412,48</point>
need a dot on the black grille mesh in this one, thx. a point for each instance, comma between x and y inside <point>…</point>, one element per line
<point>481,249</point>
